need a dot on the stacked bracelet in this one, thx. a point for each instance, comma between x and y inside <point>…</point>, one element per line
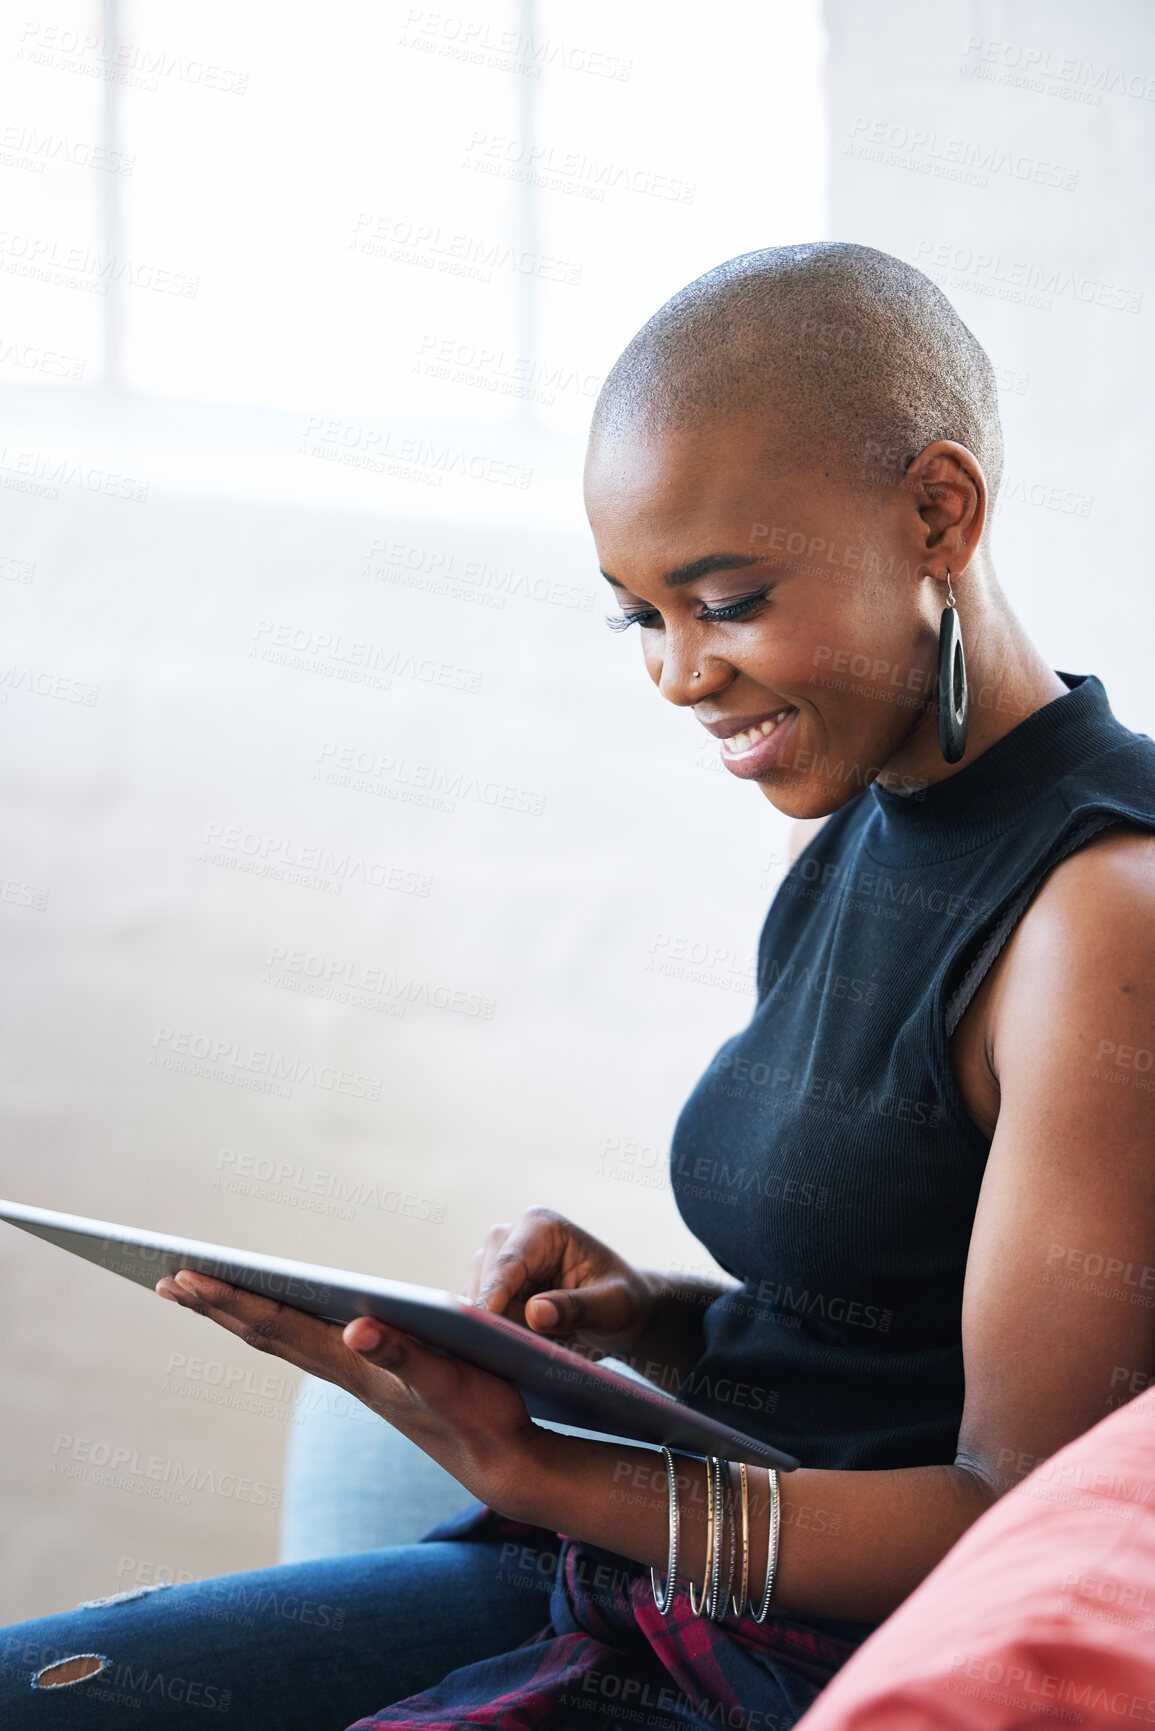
<point>696,1605</point>
<point>721,1536</point>
<point>728,1504</point>
<point>771,1544</point>
<point>662,1599</point>
<point>738,1601</point>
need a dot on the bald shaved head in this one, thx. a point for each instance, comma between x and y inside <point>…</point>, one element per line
<point>840,350</point>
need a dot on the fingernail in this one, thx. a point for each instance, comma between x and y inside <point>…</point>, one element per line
<point>203,1286</point>
<point>370,1338</point>
<point>546,1312</point>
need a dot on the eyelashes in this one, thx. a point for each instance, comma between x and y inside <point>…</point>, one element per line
<point>742,608</point>
<point>623,621</point>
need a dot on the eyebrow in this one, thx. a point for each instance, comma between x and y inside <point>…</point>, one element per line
<point>696,568</point>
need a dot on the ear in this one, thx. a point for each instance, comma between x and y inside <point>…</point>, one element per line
<point>949,493</point>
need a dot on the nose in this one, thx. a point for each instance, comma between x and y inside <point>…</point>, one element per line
<point>684,674</point>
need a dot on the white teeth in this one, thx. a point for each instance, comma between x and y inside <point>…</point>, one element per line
<point>737,744</point>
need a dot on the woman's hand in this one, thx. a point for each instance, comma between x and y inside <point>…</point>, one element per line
<point>474,1424</point>
<point>546,1272</point>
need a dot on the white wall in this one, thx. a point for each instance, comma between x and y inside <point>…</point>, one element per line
<point>540,921</point>
<point>1006,150</point>
<point>270,430</point>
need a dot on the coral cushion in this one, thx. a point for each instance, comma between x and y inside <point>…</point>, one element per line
<point>1042,1613</point>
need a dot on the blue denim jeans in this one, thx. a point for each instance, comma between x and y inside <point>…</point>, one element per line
<point>298,1647</point>
<point>357,1614</point>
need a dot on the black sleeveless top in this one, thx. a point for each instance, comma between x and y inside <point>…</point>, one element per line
<point>826,1159</point>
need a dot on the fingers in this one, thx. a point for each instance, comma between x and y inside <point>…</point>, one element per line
<point>505,1279</point>
<point>494,1238</point>
<point>419,1378</point>
<point>554,1277</point>
<point>559,1312</point>
<point>462,1416</point>
<point>301,1340</point>
<point>376,1342</point>
<point>261,1323</point>
<point>513,1258</point>
<point>603,1305</point>
<point>339,1355</point>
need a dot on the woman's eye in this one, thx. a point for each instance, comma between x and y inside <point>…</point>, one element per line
<point>647,616</point>
<point>735,609</point>
<point>620,621</point>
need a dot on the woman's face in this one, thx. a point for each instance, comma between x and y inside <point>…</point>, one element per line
<point>788,590</point>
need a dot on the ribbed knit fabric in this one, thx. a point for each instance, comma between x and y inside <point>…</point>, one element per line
<point>825,1158</point>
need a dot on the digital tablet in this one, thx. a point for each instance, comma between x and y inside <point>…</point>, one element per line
<point>558,1384</point>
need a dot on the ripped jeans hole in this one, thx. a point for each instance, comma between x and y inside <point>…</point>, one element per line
<point>65,1671</point>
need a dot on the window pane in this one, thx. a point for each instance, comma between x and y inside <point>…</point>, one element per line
<point>54,171</point>
<point>302,175</point>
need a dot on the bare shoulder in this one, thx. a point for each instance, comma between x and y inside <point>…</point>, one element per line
<point>1059,1305</point>
<point>1078,975</point>
<point>1093,919</point>
<point>1120,859</point>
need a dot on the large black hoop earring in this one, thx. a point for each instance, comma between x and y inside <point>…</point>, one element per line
<point>952,682</point>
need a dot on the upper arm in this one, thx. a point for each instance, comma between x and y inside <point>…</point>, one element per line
<point>1059,1299</point>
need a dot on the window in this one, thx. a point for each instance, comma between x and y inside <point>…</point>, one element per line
<point>390,210</point>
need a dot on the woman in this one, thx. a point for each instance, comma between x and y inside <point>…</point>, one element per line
<point>925,1162</point>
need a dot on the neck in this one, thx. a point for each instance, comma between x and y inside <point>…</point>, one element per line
<point>1007,680</point>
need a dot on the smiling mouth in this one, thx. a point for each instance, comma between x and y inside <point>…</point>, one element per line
<point>741,744</point>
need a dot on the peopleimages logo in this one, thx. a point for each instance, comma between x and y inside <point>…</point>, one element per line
<point>79,267</point>
<point>1022,281</point>
<point>358,982</point>
<point>291,1183</point>
<point>777,1295</point>
<point>570,171</point>
<point>887,886</point>
<point>310,866</point>
<point>133,1469</point>
<point>217,1058</point>
<point>398,561</point>
<point>455,254</point>
<point>43,473</point>
<point>111,57</point>
<point>367,770</point>
<point>1031,67</point>
<point>927,152</point>
<point>411,457</point>
<point>329,653</point>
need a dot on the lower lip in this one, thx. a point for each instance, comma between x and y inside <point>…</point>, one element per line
<point>764,756</point>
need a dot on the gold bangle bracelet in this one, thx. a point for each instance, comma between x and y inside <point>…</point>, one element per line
<point>699,1606</point>
<point>738,1599</point>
